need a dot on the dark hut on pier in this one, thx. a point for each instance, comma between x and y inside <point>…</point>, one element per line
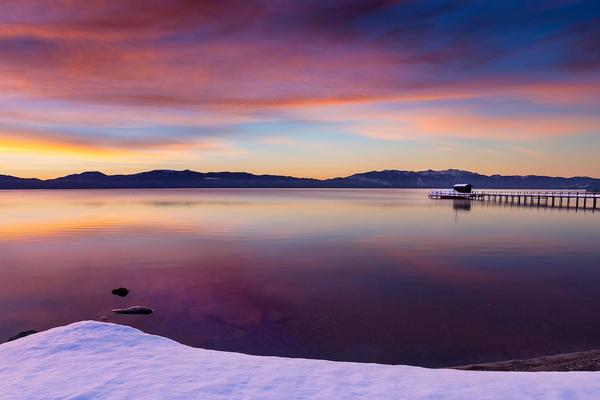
<point>463,188</point>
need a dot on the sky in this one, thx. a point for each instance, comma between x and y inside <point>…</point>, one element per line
<point>313,88</point>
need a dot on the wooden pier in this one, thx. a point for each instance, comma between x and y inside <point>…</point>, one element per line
<point>567,199</point>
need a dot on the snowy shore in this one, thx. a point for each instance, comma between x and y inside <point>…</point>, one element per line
<point>93,360</point>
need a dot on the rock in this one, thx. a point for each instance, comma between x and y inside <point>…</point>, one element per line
<point>134,310</point>
<point>121,292</point>
<point>22,335</point>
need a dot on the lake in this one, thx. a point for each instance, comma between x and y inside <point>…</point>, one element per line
<point>384,276</point>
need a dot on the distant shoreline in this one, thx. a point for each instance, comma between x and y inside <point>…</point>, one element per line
<point>278,188</point>
<point>388,179</point>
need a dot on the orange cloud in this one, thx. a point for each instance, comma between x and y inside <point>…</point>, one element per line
<point>391,121</point>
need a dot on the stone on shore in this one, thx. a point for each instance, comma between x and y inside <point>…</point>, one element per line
<point>134,310</point>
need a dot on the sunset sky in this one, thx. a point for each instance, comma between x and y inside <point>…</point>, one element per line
<point>314,88</point>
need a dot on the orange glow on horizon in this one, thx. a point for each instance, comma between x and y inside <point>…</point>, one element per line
<point>51,147</point>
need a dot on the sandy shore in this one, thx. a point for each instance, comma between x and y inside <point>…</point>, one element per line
<point>580,361</point>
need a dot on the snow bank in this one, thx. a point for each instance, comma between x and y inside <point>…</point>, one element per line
<point>92,360</point>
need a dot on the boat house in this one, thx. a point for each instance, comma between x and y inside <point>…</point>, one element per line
<point>463,188</point>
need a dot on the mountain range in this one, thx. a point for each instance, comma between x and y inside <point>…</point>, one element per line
<point>374,179</point>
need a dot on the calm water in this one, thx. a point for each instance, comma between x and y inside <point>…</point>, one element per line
<point>363,275</point>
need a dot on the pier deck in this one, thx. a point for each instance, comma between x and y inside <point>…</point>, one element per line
<point>568,199</point>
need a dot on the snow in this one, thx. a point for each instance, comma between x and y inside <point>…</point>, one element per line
<point>94,360</point>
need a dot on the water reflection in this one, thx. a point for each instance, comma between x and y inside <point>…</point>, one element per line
<point>461,205</point>
<point>363,275</point>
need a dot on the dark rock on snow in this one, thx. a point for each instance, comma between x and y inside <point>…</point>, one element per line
<point>121,292</point>
<point>134,310</point>
<point>22,335</point>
